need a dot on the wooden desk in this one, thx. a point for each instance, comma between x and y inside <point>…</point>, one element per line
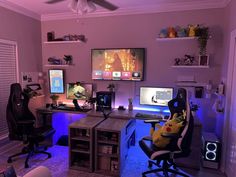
<point>112,140</point>
<point>193,161</point>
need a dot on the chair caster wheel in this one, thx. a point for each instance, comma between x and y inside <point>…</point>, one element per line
<point>149,164</point>
<point>9,161</point>
<point>26,166</point>
<point>49,156</point>
<point>143,175</point>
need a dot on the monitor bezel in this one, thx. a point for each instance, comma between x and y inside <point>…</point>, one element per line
<point>154,87</point>
<point>143,67</point>
<point>63,80</point>
<point>82,84</point>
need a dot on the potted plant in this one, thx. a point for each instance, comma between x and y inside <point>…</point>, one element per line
<point>54,98</point>
<point>111,87</point>
<point>203,35</point>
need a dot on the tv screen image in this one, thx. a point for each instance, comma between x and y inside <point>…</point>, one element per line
<point>79,91</point>
<point>155,96</point>
<point>118,64</point>
<point>56,81</point>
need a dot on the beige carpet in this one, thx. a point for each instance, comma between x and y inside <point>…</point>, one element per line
<point>136,163</point>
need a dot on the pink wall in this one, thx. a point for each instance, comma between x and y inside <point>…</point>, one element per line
<point>140,31</point>
<point>26,32</point>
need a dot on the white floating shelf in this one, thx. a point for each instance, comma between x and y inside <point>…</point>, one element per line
<point>187,66</point>
<point>191,84</point>
<point>62,42</point>
<point>58,65</point>
<point>176,38</point>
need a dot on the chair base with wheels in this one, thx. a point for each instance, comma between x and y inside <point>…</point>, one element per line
<point>30,150</point>
<point>165,165</point>
<point>33,147</point>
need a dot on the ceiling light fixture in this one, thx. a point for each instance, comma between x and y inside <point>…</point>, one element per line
<point>82,6</point>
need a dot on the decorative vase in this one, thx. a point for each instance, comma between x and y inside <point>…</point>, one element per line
<point>130,107</point>
<point>193,113</point>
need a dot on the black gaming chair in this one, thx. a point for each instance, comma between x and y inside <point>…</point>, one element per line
<point>20,122</point>
<point>179,145</point>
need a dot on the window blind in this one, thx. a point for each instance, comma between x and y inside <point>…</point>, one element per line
<point>8,75</point>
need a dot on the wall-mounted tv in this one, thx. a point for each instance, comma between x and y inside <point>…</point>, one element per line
<point>56,81</point>
<point>155,96</point>
<point>118,64</point>
<point>79,91</point>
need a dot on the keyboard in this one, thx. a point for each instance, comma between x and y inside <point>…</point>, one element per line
<point>65,108</point>
<point>149,116</point>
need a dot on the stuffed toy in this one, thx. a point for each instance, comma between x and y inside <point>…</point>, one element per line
<point>191,30</point>
<point>181,32</point>
<point>171,32</point>
<point>171,126</point>
<point>163,33</point>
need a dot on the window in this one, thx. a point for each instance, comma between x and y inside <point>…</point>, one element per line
<point>8,75</point>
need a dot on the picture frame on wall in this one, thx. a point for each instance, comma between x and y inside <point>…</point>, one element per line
<point>204,60</point>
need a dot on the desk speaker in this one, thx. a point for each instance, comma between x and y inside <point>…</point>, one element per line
<point>210,151</point>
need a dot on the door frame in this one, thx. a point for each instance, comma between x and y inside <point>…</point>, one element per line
<point>228,100</point>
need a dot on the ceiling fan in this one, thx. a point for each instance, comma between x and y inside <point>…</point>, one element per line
<point>86,6</point>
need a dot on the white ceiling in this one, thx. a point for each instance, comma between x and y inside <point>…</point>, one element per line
<point>40,10</point>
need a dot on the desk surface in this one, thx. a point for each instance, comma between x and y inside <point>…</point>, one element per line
<point>113,124</point>
<point>88,122</point>
<point>114,114</point>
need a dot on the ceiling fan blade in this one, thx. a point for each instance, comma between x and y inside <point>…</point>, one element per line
<point>105,4</point>
<point>53,1</point>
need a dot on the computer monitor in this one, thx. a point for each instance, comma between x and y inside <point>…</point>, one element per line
<point>155,96</point>
<point>56,81</point>
<point>79,91</point>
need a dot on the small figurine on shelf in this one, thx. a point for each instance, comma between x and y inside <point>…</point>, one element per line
<point>163,33</point>
<point>181,32</point>
<point>188,59</point>
<point>68,59</point>
<point>192,30</point>
<point>177,61</point>
<point>171,32</point>
<point>54,61</point>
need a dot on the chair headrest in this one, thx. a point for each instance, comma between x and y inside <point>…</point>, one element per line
<point>181,94</point>
<point>16,90</point>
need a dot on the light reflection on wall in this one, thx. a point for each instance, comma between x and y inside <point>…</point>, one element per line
<point>61,122</point>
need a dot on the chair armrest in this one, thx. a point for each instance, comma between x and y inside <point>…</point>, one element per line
<point>25,122</point>
<point>171,135</point>
<point>152,122</point>
<point>149,138</point>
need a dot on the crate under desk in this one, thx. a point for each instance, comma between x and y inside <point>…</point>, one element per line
<point>81,143</point>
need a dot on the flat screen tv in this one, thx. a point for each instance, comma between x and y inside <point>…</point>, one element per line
<point>56,81</point>
<point>155,96</point>
<point>79,91</point>
<point>118,64</point>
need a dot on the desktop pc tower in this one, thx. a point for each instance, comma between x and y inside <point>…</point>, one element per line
<point>105,100</point>
<point>211,148</point>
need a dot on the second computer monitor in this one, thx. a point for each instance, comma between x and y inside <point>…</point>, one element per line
<point>79,91</point>
<point>155,96</point>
